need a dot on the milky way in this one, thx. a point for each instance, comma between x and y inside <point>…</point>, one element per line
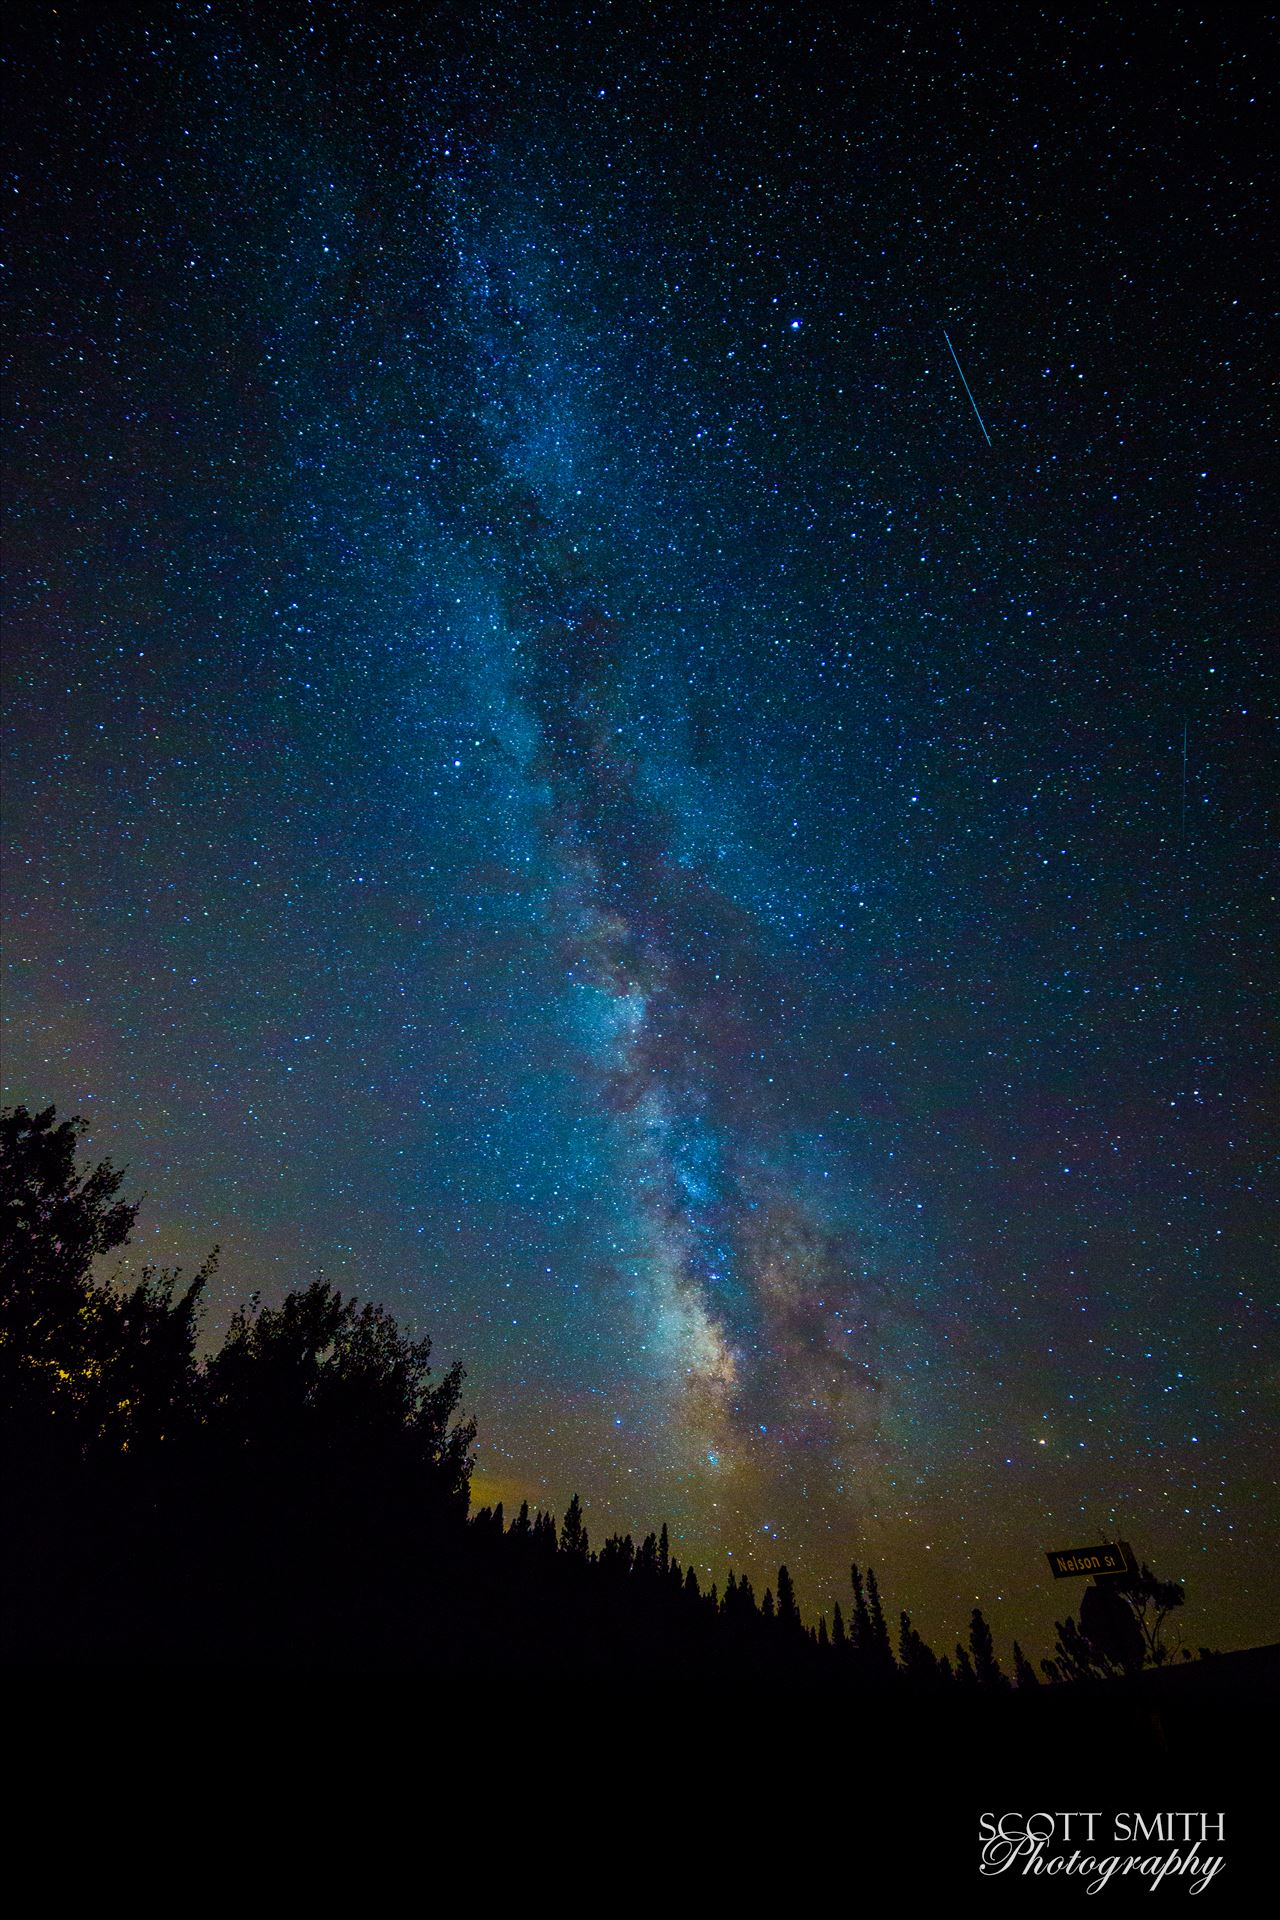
<point>744,1290</point>
<point>552,774</point>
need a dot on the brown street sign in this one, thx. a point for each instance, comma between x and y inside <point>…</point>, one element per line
<point>1103,1562</point>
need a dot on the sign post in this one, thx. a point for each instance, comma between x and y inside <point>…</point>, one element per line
<point>1112,1560</point>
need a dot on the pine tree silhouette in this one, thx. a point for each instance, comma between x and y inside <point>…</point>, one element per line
<point>1024,1674</point>
<point>880,1648</point>
<point>788,1611</point>
<point>919,1664</point>
<point>986,1668</point>
<point>573,1535</point>
<point>860,1636</point>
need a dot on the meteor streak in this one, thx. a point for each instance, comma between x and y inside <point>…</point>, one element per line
<point>968,389</point>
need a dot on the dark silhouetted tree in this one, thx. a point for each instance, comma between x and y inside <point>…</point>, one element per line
<point>881,1650</point>
<point>338,1386</point>
<point>860,1639</point>
<point>1152,1601</point>
<point>918,1661</point>
<point>788,1611</point>
<point>573,1535</point>
<point>1077,1658</point>
<point>1024,1674</point>
<point>84,1365</point>
<point>982,1647</point>
<point>54,1223</point>
<point>618,1554</point>
<point>1120,1629</point>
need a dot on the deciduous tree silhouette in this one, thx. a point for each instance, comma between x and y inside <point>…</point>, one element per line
<point>1152,1601</point>
<point>1120,1630</point>
<point>323,1384</point>
<point>86,1367</point>
<point>54,1223</point>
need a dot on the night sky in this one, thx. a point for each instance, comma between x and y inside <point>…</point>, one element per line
<point>554,775</point>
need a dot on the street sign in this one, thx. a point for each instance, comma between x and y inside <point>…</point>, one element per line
<point>1105,1562</point>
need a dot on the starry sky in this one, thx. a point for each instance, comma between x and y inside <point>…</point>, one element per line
<point>562,771</point>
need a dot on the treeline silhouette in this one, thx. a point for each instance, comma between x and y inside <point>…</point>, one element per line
<point>300,1498</point>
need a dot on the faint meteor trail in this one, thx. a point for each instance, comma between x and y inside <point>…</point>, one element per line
<point>968,389</point>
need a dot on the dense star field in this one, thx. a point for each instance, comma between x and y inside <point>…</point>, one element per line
<point>563,771</point>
